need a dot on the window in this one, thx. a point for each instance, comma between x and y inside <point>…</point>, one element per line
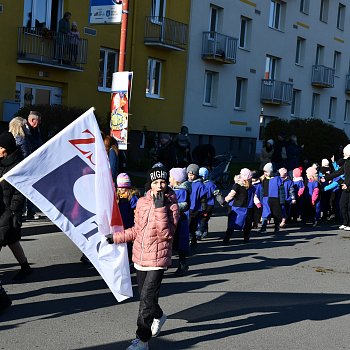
<point>30,94</point>
<point>154,75</point>
<point>295,110</point>
<point>241,92</point>
<point>275,14</point>
<point>319,54</point>
<point>210,83</point>
<point>213,20</point>
<point>300,51</point>
<point>332,109</point>
<point>108,65</point>
<point>304,6</point>
<point>271,67</point>
<point>324,10</point>
<point>337,62</point>
<point>315,105</point>
<point>42,13</point>
<point>244,36</point>
<point>158,11</point>
<point>347,111</point>
<point>341,16</point>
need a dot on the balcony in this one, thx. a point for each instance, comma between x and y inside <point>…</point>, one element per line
<point>347,84</point>
<point>322,76</point>
<point>218,47</point>
<point>165,33</point>
<point>276,92</point>
<point>49,48</point>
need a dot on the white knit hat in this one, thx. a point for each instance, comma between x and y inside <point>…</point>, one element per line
<point>268,168</point>
<point>346,151</point>
<point>325,162</point>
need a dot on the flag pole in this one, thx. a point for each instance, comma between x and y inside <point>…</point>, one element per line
<point>123,32</point>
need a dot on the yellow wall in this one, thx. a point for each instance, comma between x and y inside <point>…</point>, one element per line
<point>156,114</point>
<point>80,88</point>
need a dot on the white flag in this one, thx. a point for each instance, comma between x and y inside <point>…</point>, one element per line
<point>69,179</point>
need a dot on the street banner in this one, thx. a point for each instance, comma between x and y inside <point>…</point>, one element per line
<point>121,89</point>
<point>105,11</point>
<point>69,179</point>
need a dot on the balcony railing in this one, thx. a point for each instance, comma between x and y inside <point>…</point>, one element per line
<point>322,76</point>
<point>276,92</point>
<point>166,33</point>
<point>49,48</point>
<point>219,47</point>
<point>347,84</point>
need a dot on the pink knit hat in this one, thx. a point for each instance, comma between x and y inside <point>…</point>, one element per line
<point>283,172</point>
<point>311,172</point>
<point>245,174</point>
<point>123,180</point>
<point>297,172</point>
<point>178,174</point>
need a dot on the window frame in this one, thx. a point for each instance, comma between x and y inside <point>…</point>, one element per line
<point>341,16</point>
<point>275,14</point>
<point>319,55</point>
<point>337,62</point>
<point>271,65</point>
<point>151,70</point>
<point>332,109</point>
<point>156,7</point>
<point>240,93</point>
<point>295,105</point>
<point>300,51</point>
<point>315,105</point>
<point>304,6</point>
<point>347,111</point>
<point>104,88</point>
<point>246,33</point>
<point>324,9</point>
<point>211,102</point>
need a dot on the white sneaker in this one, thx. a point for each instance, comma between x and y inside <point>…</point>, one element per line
<point>138,344</point>
<point>157,325</point>
<point>342,227</point>
<point>347,228</point>
<point>199,235</point>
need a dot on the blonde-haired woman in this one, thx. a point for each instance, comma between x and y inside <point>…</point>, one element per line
<point>16,128</point>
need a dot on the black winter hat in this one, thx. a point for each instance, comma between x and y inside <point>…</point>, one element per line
<point>8,142</point>
<point>156,174</point>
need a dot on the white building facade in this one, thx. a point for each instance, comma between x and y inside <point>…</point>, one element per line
<point>252,61</point>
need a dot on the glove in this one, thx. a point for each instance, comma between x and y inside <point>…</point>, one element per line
<point>109,238</point>
<point>224,203</point>
<point>159,200</point>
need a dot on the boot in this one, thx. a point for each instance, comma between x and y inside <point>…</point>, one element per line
<point>25,271</point>
<point>181,270</point>
<point>263,227</point>
<point>228,235</point>
<point>5,300</point>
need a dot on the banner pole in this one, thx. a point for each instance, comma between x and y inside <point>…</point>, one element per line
<point>123,33</point>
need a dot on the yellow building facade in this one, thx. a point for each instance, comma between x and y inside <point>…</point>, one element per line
<point>42,65</point>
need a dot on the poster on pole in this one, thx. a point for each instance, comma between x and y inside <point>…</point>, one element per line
<point>121,89</point>
<point>105,11</point>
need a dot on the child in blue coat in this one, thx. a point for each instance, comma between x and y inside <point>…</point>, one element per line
<point>212,193</point>
<point>198,201</point>
<point>257,208</point>
<point>265,181</point>
<point>298,184</point>
<point>182,189</point>
<point>241,202</point>
<point>289,195</point>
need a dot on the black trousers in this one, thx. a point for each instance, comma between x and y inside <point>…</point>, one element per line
<point>344,204</point>
<point>148,283</point>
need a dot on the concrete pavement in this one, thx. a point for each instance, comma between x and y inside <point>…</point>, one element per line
<point>290,291</point>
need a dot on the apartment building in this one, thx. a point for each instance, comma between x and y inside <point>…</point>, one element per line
<point>252,61</point>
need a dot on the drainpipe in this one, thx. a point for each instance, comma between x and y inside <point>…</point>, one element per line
<point>123,31</point>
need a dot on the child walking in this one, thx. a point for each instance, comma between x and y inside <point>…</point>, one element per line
<point>198,201</point>
<point>241,202</point>
<point>182,188</point>
<point>127,197</point>
<point>311,198</point>
<point>257,208</point>
<point>212,193</point>
<point>156,217</point>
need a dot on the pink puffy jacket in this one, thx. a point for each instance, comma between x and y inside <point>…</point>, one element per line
<point>153,231</point>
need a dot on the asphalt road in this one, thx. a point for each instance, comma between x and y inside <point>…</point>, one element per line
<point>290,291</point>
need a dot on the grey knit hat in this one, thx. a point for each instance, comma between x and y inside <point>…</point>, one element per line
<point>193,169</point>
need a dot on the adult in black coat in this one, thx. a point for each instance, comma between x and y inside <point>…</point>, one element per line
<point>344,202</point>
<point>11,204</point>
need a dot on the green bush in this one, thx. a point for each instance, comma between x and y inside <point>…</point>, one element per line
<point>320,139</point>
<point>56,117</point>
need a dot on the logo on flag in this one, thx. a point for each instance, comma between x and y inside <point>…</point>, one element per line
<point>74,188</point>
